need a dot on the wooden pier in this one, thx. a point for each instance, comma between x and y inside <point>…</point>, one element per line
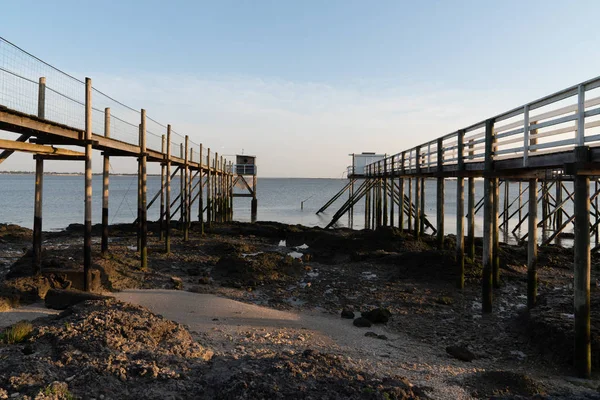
<point>538,147</point>
<point>56,110</point>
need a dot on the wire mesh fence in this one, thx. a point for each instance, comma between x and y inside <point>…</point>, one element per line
<point>20,74</point>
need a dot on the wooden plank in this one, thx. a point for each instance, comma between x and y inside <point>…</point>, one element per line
<point>36,148</point>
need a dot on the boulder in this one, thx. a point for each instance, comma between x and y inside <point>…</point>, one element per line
<point>362,322</point>
<point>378,315</point>
<point>59,299</point>
<point>347,313</point>
<point>461,353</point>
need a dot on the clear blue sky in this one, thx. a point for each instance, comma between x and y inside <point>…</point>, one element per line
<point>316,80</point>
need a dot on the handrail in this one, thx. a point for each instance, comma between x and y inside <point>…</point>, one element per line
<point>524,134</point>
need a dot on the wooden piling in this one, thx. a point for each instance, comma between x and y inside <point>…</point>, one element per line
<point>201,195</point>
<point>185,199</point>
<point>488,211</point>
<point>418,194</point>
<point>401,194</point>
<point>422,219</point>
<point>471,219</point>
<point>39,187</point>
<point>392,192</point>
<point>168,194</point>
<point>105,185</point>
<point>182,179</point>
<point>440,194</point>
<point>208,189</point>
<point>496,234</point>
<point>409,215</point>
<point>87,236</point>
<point>37,219</point>
<point>460,211</point>
<point>144,209</point>
<point>532,251</point>
<point>582,260</point>
<point>385,192</point>
<point>162,192</point>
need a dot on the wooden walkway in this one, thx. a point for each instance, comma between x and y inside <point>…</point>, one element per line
<point>54,110</point>
<point>544,142</point>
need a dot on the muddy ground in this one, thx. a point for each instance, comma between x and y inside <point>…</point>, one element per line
<point>294,268</point>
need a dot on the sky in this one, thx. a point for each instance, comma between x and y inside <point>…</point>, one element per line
<point>303,84</point>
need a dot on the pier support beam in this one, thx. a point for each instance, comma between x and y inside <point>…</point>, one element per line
<point>37,218</point>
<point>409,215</point>
<point>471,219</point>
<point>184,198</point>
<point>162,192</point>
<point>460,211</point>
<point>488,229</point>
<point>168,195</point>
<point>201,195</point>
<point>208,189</point>
<point>401,205</point>
<point>440,195</point>
<point>532,256</point>
<point>496,235</point>
<point>87,235</point>
<point>39,188</point>
<point>581,206</point>
<point>105,185</point>
<point>417,208</point>
<point>385,192</point>
<point>254,205</point>
<point>144,209</point>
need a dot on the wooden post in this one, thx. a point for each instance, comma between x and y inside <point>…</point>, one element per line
<point>168,199</point>
<point>208,189</point>
<point>254,206</point>
<point>471,208</point>
<point>385,192</point>
<point>138,221</point>
<point>410,208</point>
<point>161,218</point>
<point>440,194</point>
<point>520,200</point>
<point>488,229</point>
<point>201,195</point>
<point>581,207</point>
<point>532,256</point>
<point>558,213</point>
<point>422,219</point>
<point>471,219</point>
<point>417,194</point>
<point>496,235</point>
<point>392,192</point>
<point>401,195</point>
<point>105,185</point>
<point>460,212</point>
<point>185,200</point>
<point>367,201</point>
<point>182,180</point>
<point>87,236</point>
<point>143,210</point>
<point>39,187</point>
<point>37,219</point>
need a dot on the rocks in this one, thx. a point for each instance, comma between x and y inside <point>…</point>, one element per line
<point>347,313</point>
<point>59,299</point>
<point>177,283</point>
<point>378,315</point>
<point>461,353</point>
<point>362,322</point>
<point>204,280</point>
<point>376,336</point>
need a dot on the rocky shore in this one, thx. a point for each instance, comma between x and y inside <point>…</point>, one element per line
<point>380,278</point>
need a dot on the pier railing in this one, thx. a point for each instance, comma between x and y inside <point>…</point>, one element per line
<point>20,74</point>
<point>553,124</point>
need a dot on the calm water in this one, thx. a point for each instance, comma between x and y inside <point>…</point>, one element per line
<point>279,199</point>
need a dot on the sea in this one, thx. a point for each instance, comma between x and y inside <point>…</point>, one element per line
<point>286,200</point>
